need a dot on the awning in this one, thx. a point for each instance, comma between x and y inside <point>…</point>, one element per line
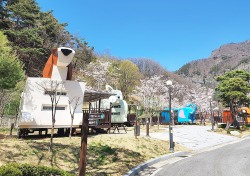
<point>92,95</point>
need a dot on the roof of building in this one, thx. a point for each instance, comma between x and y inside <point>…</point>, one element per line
<point>92,95</point>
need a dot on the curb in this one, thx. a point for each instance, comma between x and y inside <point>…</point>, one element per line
<point>141,167</point>
<point>246,136</point>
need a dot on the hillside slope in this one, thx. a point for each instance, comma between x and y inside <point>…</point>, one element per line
<point>227,57</point>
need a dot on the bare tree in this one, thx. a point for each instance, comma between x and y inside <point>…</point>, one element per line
<point>73,104</point>
<point>52,88</point>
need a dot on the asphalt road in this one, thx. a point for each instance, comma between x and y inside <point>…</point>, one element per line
<point>230,160</point>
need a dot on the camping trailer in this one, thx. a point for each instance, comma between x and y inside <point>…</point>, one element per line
<point>36,104</point>
<point>119,107</point>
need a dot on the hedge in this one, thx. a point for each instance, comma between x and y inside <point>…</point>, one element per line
<point>14,169</point>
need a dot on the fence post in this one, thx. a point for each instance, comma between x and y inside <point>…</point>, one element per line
<point>83,152</point>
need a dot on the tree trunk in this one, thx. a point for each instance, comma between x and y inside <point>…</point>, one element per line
<point>158,122</point>
<point>11,128</point>
<point>235,122</point>
<point>227,126</point>
<point>51,138</point>
<point>151,121</point>
<point>70,132</point>
<point>52,131</point>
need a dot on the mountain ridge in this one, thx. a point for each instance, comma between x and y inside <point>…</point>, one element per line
<point>227,57</point>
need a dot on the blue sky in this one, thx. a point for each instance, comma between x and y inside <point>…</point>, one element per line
<point>171,32</point>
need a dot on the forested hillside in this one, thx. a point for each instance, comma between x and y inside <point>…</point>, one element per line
<point>33,34</point>
<point>228,57</point>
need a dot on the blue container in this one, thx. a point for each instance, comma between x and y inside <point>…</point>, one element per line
<point>165,115</point>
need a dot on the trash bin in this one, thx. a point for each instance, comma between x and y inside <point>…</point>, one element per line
<point>137,130</point>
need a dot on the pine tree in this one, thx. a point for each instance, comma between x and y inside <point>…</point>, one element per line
<point>34,34</point>
<point>23,32</point>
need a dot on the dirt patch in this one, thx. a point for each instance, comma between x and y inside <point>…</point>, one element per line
<point>242,132</point>
<point>2,136</point>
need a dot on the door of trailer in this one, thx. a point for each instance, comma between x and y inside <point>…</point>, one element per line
<point>226,117</point>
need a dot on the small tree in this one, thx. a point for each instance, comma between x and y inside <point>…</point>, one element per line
<point>11,71</point>
<point>4,98</point>
<point>232,90</point>
<point>14,101</point>
<point>52,88</point>
<point>129,77</point>
<point>73,104</point>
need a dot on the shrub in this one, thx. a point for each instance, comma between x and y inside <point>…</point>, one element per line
<point>10,170</point>
<point>14,169</point>
<point>244,127</point>
<point>222,125</point>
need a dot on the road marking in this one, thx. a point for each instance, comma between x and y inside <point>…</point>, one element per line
<point>155,172</point>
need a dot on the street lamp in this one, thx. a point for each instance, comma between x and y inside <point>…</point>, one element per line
<point>171,142</point>
<point>211,116</point>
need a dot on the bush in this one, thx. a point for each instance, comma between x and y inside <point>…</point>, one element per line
<point>222,125</point>
<point>244,127</point>
<point>10,170</point>
<point>14,169</point>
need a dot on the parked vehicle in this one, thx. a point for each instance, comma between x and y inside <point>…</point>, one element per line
<point>242,116</point>
<point>120,115</point>
<point>246,113</point>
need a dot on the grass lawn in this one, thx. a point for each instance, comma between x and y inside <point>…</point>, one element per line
<point>107,154</point>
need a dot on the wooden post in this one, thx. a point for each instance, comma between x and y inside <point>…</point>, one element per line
<point>147,127</point>
<point>158,121</point>
<point>110,114</point>
<point>83,152</point>
<point>99,105</point>
<point>136,113</point>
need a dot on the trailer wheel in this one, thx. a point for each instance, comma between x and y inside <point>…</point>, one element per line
<point>22,133</point>
<point>60,131</point>
<point>67,131</point>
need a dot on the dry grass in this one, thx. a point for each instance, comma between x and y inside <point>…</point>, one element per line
<point>242,132</point>
<point>108,154</point>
